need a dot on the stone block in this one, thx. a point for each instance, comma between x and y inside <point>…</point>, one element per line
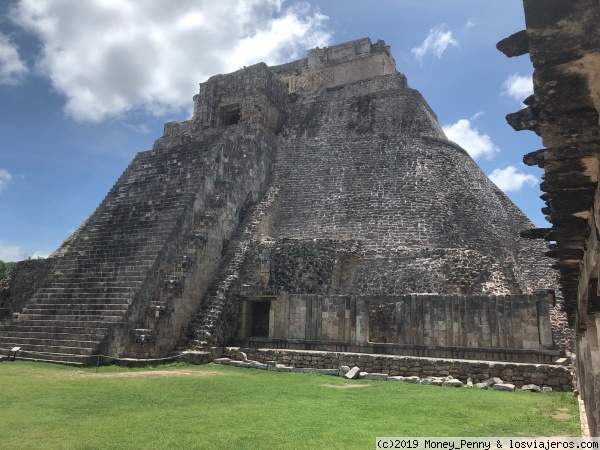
<point>377,376</point>
<point>504,387</point>
<point>283,368</point>
<point>532,388</point>
<point>453,383</point>
<point>224,361</point>
<point>343,370</point>
<point>547,389</point>
<point>334,372</point>
<point>481,385</point>
<point>352,373</point>
<point>304,369</point>
<point>412,379</point>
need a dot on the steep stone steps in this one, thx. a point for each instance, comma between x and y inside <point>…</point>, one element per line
<point>72,317</point>
<point>81,299</point>
<point>75,309</point>
<point>50,344</point>
<point>35,329</point>
<point>66,359</point>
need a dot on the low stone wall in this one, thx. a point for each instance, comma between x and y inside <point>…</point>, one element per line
<point>559,378</point>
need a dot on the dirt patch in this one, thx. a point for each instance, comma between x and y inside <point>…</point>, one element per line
<point>561,414</point>
<point>345,386</point>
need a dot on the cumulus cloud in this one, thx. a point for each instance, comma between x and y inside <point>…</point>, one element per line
<point>12,252</point>
<point>468,137</point>
<point>518,87</point>
<point>436,43</point>
<point>509,179</point>
<point>9,253</point>
<point>111,57</point>
<point>12,68</point>
<point>5,178</point>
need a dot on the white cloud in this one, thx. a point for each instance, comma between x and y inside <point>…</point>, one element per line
<point>470,23</point>
<point>436,43</point>
<point>111,57</point>
<point>518,87</point>
<point>9,253</point>
<point>510,180</point>
<point>5,178</point>
<point>12,68</point>
<point>475,143</point>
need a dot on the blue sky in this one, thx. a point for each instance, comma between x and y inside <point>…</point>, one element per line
<point>86,84</point>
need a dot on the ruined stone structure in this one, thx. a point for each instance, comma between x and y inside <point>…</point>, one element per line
<point>311,205</point>
<point>563,42</point>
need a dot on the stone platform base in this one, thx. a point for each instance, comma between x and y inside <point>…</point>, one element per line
<point>485,354</point>
<point>559,378</point>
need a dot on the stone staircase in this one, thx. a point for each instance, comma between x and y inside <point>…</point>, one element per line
<point>102,271</point>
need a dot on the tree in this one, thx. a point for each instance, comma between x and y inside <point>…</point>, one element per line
<point>5,269</point>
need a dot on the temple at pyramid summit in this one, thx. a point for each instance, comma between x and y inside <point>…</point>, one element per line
<point>314,205</point>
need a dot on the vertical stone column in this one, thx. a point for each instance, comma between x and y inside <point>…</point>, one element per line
<point>544,327</point>
<point>362,321</point>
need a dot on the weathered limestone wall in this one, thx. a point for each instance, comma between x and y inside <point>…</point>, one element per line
<point>195,248</point>
<point>559,378</point>
<point>26,277</point>
<point>563,43</point>
<point>256,92</point>
<point>488,322</point>
<point>337,65</point>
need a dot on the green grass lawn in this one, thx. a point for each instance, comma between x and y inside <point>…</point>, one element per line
<point>182,406</point>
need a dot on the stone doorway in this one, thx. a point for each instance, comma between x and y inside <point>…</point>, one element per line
<point>256,318</point>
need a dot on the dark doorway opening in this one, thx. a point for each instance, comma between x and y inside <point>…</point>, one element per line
<point>260,319</point>
<point>230,115</point>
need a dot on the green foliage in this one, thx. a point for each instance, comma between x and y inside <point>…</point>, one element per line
<point>5,269</point>
<point>211,406</point>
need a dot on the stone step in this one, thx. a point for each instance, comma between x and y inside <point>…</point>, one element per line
<point>63,334</point>
<point>34,348</point>
<point>20,341</point>
<point>91,318</point>
<point>15,328</point>
<point>56,358</point>
<point>117,302</point>
<point>78,290</point>
<point>76,310</point>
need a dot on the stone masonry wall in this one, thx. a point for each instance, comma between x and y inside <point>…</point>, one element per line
<point>26,277</point>
<point>559,378</point>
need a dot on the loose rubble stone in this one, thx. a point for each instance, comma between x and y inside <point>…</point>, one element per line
<point>532,388</point>
<point>362,375</point>
<point>304,370</point>
<point>469,383</point>
<point>481,385</point>
<point>352,373</point>
<point>225,361</point>
<point>437,382</point>
<point>243,356</point>
<point>239,364</point>
<point>493,381</point>
<point>547,389</point>
<point>504,387</point>
<point>413,379</point>
<point>344,370</point>
<point>377,376</point>
<point>453,383</point>
<point>334,372</point>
